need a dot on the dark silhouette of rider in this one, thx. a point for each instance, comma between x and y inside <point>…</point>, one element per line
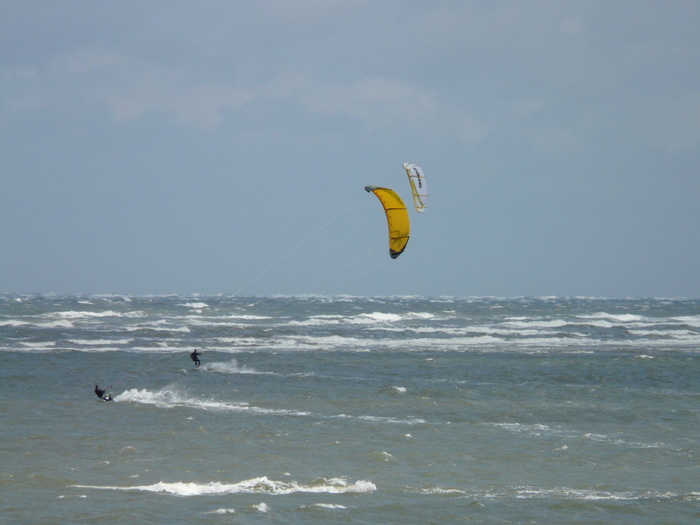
<point>102,394</point>
<point>194,358</point>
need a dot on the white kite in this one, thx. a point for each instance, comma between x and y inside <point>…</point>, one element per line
<point>419,185</point>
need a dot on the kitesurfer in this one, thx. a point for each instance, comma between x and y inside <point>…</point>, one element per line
<point>102,394</point>
<point>194,358</point>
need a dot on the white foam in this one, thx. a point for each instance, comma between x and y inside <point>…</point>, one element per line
<point>231,367</point>
<point>13,322</point>
<point>329,506</point>
<point>320,320</point>
<point>439,491</point>
<point>620,318</point>
<point>603,438</point>
<point>46,345</point>
<point>685,335</point>
<point>172,397</point>
<point>100,342</point>
<point>315,342</point>
<point>535,429</point>
<point>196,306</point>
<point>383,419</point>
<point>360,319</point>
<point>248,317</point>
<point>158,326</point>
<point>260,485</point>
<point>537,323</point>
<point>539,430</point>
<point>56,324</point>
<point>421,315</point>
<point>379,317</point>
<point>691,320</point>
<point>77,315</point>
<point>261,507</point>
<point>566,493</point>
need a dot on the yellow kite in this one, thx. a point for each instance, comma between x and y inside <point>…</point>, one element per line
<point>396,218</point>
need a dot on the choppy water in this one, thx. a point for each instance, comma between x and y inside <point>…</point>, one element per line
<point>349,410</point>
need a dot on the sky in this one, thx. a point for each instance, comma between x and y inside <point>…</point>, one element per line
<point>222,147</point>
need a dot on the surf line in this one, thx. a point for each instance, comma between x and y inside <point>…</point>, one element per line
<point>227,331</point>
<point>257,304</point>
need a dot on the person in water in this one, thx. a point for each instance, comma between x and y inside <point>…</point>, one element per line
<point>102,394</point>
<point>194,358</point>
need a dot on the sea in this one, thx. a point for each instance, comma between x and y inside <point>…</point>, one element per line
<point>345,410</point>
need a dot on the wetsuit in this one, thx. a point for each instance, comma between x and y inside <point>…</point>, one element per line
<point>194,358</point>
<point>102,394</point>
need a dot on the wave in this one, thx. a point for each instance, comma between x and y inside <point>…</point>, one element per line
<point>619,318</point>
<point>158,326</point>
<point>55,324</point>
<point>384,419</point>
<point>329,506</point>
<point>231,367</point>
<point>439,491</point>
<point>100,342</point>
<point>221,511</point>
<point>690,320</point>
<point>543,430</point>
<point>378,318</point>
<point>38,346</point>
<point>534,429</point>
<point>535,323</point>
<point>558,493</point>
<point>482,340</point>
<point>79,314</point>
<point>173,397</point>
<point>587,494</point>
<point>195,306</point>
<point>14,323</point>
<point>261,485</point>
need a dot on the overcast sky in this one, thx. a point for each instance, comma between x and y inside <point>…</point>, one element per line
<point>154,147</point>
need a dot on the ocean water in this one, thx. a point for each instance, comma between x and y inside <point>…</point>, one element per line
<point>349,410</point>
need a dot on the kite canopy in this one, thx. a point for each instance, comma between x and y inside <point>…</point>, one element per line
<point>419,185</point>
<point>396,218</point>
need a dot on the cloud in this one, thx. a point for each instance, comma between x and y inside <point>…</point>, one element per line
<point>375,100</point>
<point>132,89</point>
<point>525,112</point>
<point>129,89</point>
<point>147,88</point>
